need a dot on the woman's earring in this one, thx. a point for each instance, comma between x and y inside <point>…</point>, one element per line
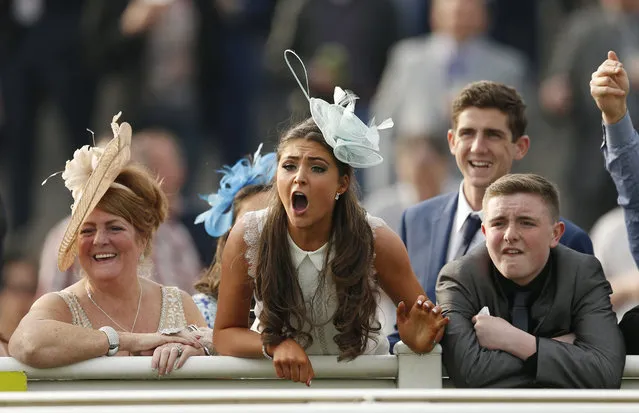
<point>337,196</point>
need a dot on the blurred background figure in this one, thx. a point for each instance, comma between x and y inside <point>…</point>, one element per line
<point>610,242</point>
<point>41,60</point>
<point>18,283</point>
<point>148,56</point>
<point>343,42</point>
<point>3,228</point>
<point>423,170</point>
<point>176,261</point>
<point>212,73</point>
<point>424,73</point>
<point>565,95</point>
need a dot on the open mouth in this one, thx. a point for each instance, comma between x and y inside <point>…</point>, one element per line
<point>300,202</point>
<point>480,164</point>
<point>104,257</point>
<point>512,251</point>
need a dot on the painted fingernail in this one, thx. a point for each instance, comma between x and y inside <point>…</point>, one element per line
<point>419,302</point>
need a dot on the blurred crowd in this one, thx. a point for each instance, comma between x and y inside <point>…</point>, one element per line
<point>205,80</point>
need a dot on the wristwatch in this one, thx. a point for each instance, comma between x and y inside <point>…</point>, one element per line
<point>114,340</point>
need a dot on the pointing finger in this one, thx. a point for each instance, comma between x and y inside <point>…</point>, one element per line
<point>612,55</point>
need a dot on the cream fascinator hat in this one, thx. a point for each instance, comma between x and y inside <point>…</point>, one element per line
<point>353,142</point>
<point>88,176</point>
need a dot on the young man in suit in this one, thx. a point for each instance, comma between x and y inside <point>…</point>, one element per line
<point>488,133</point>
<point>525,311</point>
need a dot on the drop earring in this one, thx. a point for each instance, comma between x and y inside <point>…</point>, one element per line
<point>337,196</point>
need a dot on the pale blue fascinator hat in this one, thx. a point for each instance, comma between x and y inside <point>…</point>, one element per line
<point>258,171</point>
<point>353,142</point>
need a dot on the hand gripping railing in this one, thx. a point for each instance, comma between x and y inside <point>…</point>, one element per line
<point>404,370</point>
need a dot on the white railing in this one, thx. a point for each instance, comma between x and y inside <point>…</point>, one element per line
<point>334,401</point>
<point>404,370</point>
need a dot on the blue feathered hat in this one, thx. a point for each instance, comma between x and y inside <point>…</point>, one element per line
<point>258,171</point>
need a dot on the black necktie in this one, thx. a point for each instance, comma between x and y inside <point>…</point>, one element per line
<point>519,312</point>
<point>471,226</point>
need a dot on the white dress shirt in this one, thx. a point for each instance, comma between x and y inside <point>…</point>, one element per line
<point>319,293</point>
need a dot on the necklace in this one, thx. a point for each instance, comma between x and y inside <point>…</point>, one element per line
<point>110,318</point>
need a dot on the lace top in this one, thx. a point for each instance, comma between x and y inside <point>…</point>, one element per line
<point>319,295</point>
<point>171,315</point>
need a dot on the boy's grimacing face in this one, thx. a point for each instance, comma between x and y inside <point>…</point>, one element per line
<point>520,232</point>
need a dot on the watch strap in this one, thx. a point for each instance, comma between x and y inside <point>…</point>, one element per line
<point>114,340</point>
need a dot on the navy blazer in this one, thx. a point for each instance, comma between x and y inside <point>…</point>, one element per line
<point>426,227</point>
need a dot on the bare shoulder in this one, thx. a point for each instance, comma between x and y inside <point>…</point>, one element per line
<point>51,306</point>
<point>240,231</point>
<point>244,237</point>
<point>390,252</point>
<point>386,240</point>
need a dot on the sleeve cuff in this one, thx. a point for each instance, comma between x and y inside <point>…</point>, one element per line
<point>619,134</point>
<point>530,364</point>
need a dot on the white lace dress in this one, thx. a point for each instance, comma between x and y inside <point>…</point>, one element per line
<point>320,298</point>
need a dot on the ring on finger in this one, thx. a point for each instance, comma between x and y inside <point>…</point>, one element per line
<point>180,350</point>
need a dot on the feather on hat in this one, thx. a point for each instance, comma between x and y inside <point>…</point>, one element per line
<point>102,165</point>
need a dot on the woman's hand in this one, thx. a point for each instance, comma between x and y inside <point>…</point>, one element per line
<point>172,355</point>
<point>291,362</point>
<point>205,337</point>
<point>145,343</point>
<point>421,327</point>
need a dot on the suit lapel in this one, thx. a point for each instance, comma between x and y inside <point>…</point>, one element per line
<point>439,239</point>
<point>442,231</point>
<point>547,309</point>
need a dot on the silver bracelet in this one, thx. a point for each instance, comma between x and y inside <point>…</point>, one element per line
<point>265,353</point>
<point>193,328</point>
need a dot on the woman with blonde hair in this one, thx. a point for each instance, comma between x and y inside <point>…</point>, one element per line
<point>112,310</point>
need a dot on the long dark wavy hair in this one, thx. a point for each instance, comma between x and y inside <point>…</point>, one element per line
<point>350,240</point>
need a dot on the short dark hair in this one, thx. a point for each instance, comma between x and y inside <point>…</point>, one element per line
<point>493,95</point>
<point>512,184</point>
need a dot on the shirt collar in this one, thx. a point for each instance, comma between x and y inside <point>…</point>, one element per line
<point>463,209</point>
<point>298,254</point>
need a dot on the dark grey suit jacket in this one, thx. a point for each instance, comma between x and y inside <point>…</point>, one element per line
<point>426,229</point>
<point>575,299</point>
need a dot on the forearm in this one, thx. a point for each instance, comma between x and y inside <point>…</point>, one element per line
<point>621,152</point>
<point>471,365</point>
<point>573,366</point>
<point>520,344</point>
<point>50,343</point>
<point>238,342</point>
